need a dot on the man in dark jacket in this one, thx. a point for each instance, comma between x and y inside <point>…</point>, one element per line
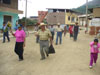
<point>76,31</point>
<point>5,30</point>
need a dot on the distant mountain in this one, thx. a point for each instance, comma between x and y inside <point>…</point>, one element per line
<point>91,4</point>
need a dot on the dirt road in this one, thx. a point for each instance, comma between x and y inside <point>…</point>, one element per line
<point>71,58</point>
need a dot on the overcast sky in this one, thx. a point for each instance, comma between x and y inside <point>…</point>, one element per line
<point>39,5</point>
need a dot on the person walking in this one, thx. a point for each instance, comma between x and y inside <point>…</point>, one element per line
<point>59,34</point>
<point>94,52</point>
<point>36,29</point>
<point>5,30</point>
<point>20,42</point>
<point>52,29</point>
<point>76,31</point>
<point>16,27</point>
<point>71,31</point>
<point>65,30</point>
<point>44,36</point>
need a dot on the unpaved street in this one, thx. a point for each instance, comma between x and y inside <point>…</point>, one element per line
<point>71,58</point>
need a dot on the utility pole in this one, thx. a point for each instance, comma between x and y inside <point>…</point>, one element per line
<point>65,16</point>
<point>26,13</point>
<point>87,15</point>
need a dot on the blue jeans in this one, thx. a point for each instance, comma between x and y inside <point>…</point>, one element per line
<point>59,35</point>
<point>6,34</point>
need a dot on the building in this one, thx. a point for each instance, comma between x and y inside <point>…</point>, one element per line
<point>42,15</point>
<point>82,19</point>
<point>62,16</point>
<point>9,11</point>
<point>95,22</point>
<point>95,12</point>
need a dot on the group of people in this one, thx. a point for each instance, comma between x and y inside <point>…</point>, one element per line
<point>45,37</point>
<point>44,33</point>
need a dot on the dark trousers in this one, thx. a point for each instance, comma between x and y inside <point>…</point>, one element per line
<point>19,49</point>
<point>6,34</point>
<point>75,36</point>
<point>37,39</point>
<point>52,35</point>
<point>71,35</point>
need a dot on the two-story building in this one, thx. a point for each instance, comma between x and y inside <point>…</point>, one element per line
<point>9,12</point>
<point>62,16</point>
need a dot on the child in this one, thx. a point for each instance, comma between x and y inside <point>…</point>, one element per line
<point>71,31</point>
<point>94,52</point>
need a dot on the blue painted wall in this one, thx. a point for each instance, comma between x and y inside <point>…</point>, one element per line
<point>14,18</point>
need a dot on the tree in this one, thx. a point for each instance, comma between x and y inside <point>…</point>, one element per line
<point>29,22</point>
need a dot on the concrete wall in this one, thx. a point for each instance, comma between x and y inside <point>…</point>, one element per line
<point>14,18</point>
<point>13,5</point>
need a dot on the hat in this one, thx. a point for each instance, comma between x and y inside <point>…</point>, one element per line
<point>58,23</point>
<point>42,24</point>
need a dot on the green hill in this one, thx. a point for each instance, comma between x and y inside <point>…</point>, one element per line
<point>91,4</point>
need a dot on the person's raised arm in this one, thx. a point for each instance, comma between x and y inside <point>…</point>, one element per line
<point>12,33</point>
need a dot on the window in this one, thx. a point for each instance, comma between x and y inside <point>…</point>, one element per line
<point>6,1</point>
<point>73,19</point>
<point>7,18</point>
<point>68,18</point>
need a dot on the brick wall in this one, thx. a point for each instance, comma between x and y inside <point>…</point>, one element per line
<point>94,30</point>
<point>41,15</point>
<point>54,18</point>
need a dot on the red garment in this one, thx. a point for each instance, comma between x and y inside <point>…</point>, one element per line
<point>71,29</point>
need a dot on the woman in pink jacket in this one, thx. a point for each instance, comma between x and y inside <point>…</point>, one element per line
<point>20,42</point>
<point>94,52</point>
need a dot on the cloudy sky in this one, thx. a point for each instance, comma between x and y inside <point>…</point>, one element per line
<point>37,5</point>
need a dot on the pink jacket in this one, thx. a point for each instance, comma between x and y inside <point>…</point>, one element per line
<point>92,50</point>
<point>20,35</point>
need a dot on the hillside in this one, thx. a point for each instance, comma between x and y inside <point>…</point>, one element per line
<point>91,4</point>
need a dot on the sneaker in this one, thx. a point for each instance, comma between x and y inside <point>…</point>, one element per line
<point>90,67</point>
